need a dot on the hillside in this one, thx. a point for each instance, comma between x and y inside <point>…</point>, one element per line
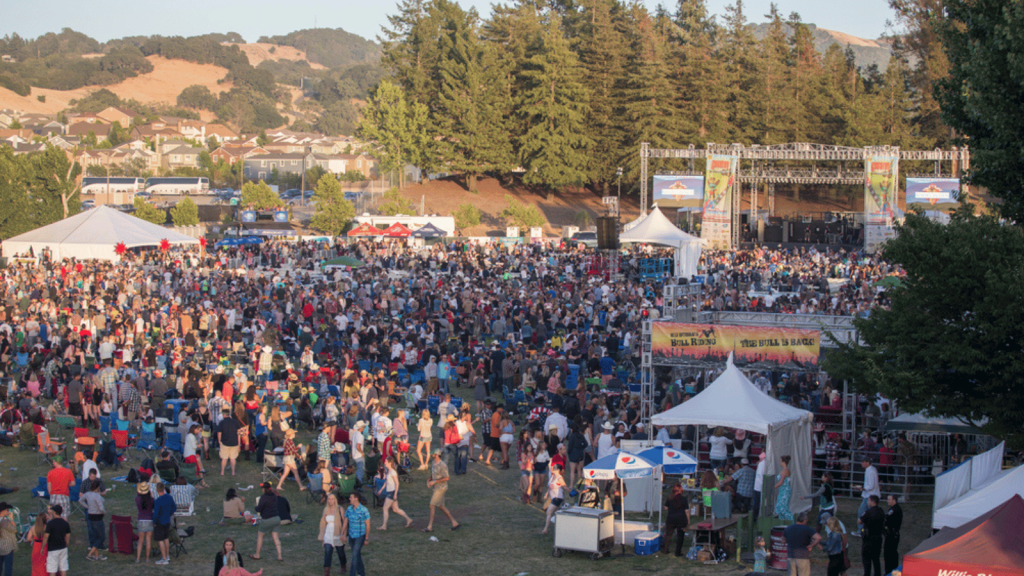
<point>162,85</point>
<point>260,52</point>
<point>330,47</point>
<point>865,52</point>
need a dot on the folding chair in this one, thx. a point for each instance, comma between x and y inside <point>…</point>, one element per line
<point>184,499</point>
<point>168,475</point>
<point>45,448</point>
<point>83,440</point>
<point>179,536</point>
<point>75,494</point>
<point>346,485</point>
<point>105,425</point>
<point>121,536</point>
<point>147,441</point>
<point>120,438</point>
<point>42,494</point>
<point>67,422</point>
<point>172,443</point>
<point>273,465</point>
<point>315,489</point>
<point>27,436</point>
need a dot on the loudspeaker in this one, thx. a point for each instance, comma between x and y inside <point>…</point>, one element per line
<point>607,233</point>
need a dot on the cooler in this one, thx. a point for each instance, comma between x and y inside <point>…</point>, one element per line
<point>584,530</point>
<point>779,550</point>
<point>646,543</point>
<point>173,407</point>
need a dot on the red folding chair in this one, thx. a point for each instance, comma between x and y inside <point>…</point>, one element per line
<point>83,439</point>
<point>121,535</point>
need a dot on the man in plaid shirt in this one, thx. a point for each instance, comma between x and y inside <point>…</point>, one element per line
<point>131,399</point>
<point>108,378</point>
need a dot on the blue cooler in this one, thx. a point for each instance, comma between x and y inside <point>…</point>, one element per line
<point>646,543</point>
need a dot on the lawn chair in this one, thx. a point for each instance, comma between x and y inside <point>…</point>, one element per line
<point>27,436</point>
<point>147,441</point>
<point>315,489</point>
<point>46,449</point>
<point>167,475</point>
<point>172,443</point>
<point>273,465</point>
<point>42,493</point>
<point>179,536</point>
<point>184,496</point>
<point>120,438</point>
<point>105,425</point>
<point>74,496</point>
<point>67,422</point>
<point>346,485</point>
<point>121,536</point>
<point>83,441</point>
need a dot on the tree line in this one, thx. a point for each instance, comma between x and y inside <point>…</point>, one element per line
<point>566,90</point>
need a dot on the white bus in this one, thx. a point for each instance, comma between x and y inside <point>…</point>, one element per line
<point>178,186</point>
<point>117,185</point>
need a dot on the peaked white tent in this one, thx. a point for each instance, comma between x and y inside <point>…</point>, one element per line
<point>92,234</point>
<point>732,401</point>
<point>656,228</point>
<point>980,500</point>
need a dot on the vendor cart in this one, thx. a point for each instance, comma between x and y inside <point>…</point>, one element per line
<point>584,530</point>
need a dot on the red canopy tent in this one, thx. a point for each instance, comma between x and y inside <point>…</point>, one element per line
<point>365,229</point>
<point>991,544</point>
<point>397,230</point>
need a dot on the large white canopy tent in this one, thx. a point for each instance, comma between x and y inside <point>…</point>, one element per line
<point>732,401</point>
<point>92,235</point>
<point>656,228</point>
<point>981,499</point>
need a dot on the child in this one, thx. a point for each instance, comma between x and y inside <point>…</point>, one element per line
<point>761,556</point>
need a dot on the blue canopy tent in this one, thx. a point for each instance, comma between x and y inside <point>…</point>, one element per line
<point>429,231</point>
<point>239,241</point>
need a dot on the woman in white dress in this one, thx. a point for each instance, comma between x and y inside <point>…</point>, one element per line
<point>423,443</point>
<point>330,534</point>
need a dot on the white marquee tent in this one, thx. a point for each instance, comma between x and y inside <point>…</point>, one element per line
<point>656,228</point>
<point>92,235</point>
<point>732,401</point>
<point>981,499</point>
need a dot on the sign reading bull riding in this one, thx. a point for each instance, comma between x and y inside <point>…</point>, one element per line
<point>753,347</point>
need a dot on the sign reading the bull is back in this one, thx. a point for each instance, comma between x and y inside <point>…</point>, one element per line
<point>753,347</point>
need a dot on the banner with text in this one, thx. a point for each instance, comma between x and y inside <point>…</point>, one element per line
<point>882,173</point>
<point>678,191</point>
<point>933,193</point>
<point>753,347</point>
<point>716,224</point>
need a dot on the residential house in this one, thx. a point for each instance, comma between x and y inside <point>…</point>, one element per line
<point>29,147</point>
<point>85,117</point>
<point>180,157</point>
<point>16,135</point>
<point>221,133</point>
<point>49,128</point>
<point>246,141</point>
<point>34,118</point>
<point>193,129</point>
<point>8,59</point>
<point>63,142</point>
<point>7,116</point>
<point>113,114</point>
<point>157,135</point>
<point>262,166</point>
<point>84,128</point>
<point>342,163</point>
<point>231,154</point>
<point>168,145</point>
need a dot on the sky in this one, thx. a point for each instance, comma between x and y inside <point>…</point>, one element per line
<point>109,19</point>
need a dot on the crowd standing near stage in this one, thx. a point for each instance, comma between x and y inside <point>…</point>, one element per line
<point>261,345</point>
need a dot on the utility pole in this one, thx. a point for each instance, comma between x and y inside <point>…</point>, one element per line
<point>618,177</point>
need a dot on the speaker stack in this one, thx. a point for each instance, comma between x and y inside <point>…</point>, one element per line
<point>607,233</point>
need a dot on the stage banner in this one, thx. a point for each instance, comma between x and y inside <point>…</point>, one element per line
<point>678,191</point>
<point>753,347</point>
<point>880,189</point>
<point>933,193</point>
<point>716,223</point>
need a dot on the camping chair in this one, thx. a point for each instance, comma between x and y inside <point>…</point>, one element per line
<point>42,493</point>
<point>179,536</point>
<point>346,485</point>
<point>83,440</point>
<point>147,441</point>
<point>172,443</point>
<point>27,436</point>
<point>273,465</point>
<point>75,494</point>
<point>184,498</point>
<point>167,475</point>
<point>45,448</point>
<point>315,489</point>
<point>67,422</point>
<point>105,425</point>
<point>120,438</point>
<point>120,535</point>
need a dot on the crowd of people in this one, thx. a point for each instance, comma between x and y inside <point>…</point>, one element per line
<point>260,346</point>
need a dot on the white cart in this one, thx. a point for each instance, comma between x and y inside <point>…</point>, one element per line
<point>584,530</point>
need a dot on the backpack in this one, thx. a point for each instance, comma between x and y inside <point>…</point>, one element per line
<point>108,454</point>
<point>133,476</point>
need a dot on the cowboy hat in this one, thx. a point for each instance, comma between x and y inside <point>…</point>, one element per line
<point>607,426</point>
<point>142,487</point>
<point>360,424</point>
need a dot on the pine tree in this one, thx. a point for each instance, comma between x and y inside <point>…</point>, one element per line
<point>554,147</point>
<point>697,73</point>
<point>804,82</point>
<point>409,49</point>
<point>738,70</point>
<point>397,127</point>
<point>773,106</point>
<point>472,135</point>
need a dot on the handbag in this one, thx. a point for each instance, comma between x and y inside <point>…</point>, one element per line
<point>846,557</point>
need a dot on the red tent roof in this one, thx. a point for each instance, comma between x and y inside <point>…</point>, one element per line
<point>991,544</point>
<point>397,230</point>
<point>365,229</point>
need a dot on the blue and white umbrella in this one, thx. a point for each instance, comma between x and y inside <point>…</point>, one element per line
<point>621,465</point>
<point>671,460</point>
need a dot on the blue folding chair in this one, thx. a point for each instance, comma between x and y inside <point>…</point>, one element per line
<point>42,494</point>
<point>365,365</point>
<point>74,495</point>
<point>121,425</point>
<point>433,403</point>
<point>147,441</point>
<point>105,425</point>
<point>172,443</point>
<point>419,376</point>
<point>457,403</point>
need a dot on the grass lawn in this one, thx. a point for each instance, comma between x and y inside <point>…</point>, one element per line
<point>499,536</point>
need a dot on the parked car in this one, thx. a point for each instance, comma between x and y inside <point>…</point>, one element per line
<point>289,194</point>
<point>87,204</point>
<point>144,195</point>
<point>588,239</point>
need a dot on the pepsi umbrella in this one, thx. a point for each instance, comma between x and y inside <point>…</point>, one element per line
<point>621,465</point>
<point>671,460</point>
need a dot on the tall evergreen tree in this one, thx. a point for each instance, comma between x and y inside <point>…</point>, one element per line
<point>773,107</point>
<point>410,49</point>
<point>698,74</point>
<point>738,70</point>
<point>554,147</point>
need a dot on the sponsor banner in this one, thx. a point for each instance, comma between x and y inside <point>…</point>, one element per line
<point>882,172</point>
<point>678,191</point>
<point>875,236</point>
<point>716,223</point>
<point>281,216</point>
<point>933,193</point>
<point>248,216</point>
<point>753,347</point>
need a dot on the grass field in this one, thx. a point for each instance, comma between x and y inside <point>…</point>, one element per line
<point>499,536</point>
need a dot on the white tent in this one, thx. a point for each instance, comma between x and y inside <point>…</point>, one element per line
<point>981,499</point>
<point>732,401</point>
<point>919,422</point>
<point>92,234</point>
<point>974,473</point>
<point>655,228</point>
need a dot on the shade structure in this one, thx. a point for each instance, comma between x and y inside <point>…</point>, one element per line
<point>365,229</point>
<point>991,544</point>
<point>429,231</point>
<point>732,401</point>
<point>397,230</point>
<point>93,235</point>
<point>919,422</point>
<point>620,465</point>
<point>979,500</point>
<point>671,460</point>
<point>657,229</point>
<point>239,241</point>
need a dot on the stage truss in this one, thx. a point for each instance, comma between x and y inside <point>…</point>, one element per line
<point>763,165</point>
